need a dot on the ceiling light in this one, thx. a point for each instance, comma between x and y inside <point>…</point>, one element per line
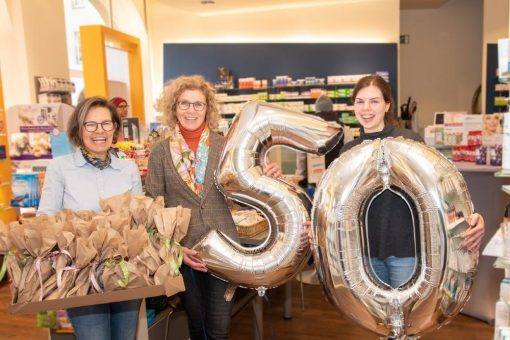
<point>283,6</point>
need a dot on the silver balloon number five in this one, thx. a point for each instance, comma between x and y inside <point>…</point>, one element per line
<point>258,127</point>
<point>440,286</point>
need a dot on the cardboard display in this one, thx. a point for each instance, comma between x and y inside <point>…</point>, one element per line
<point>316,165</point>
<point>131,129</point>
<point>172,286</point>
<point>38,117</point>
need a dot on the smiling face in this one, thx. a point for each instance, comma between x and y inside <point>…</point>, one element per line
<point>370,107</point>
<point>491,123</point>
<point>98,142</point>
<point>190,118</point>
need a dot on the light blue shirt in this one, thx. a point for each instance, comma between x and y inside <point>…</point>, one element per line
<point>70,182</point>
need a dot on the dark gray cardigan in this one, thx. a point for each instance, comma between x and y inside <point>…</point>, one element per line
<point>390,231</point>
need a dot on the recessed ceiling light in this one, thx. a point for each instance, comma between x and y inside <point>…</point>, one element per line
<point>207,2</point>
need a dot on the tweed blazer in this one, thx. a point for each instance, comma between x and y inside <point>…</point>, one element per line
<point>208,212</point>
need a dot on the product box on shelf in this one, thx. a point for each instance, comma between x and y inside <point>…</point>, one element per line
<point>465,137</point>
<point>457,126</point>
<point>506,141</point>
<point>316,165</point>
<point>345,79</point>
<point>25,190</point>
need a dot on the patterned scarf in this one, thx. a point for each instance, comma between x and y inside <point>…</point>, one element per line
<point>190,167</point>
<point>96,162</point>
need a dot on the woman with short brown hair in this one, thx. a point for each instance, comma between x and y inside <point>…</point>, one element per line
<point>78,181</point>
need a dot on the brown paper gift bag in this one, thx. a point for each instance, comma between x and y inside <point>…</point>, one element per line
<point>139,208</point>
<point>148,261</point>
<point>120,221</point>
<point>39,243</point>
<point>183,218</point>
<point>120,274</point>
<point>116,203</point>
<point>108,243</point>
<point>174,285</point>
<point>65,273</point>
<point>157,205</point>
<point>85,253</point>
<point>172,224</point>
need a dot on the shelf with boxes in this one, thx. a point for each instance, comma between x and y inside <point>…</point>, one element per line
<point>299,94</point>
<point>337,92</point>
<point>299,98</point>
<point>500,97</point>
<point>54,90</point>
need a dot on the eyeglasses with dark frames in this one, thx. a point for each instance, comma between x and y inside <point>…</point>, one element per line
<point>198,106</point>
<point>107,126</point>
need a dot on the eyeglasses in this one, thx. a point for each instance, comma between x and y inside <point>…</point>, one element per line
<point>107,126</point>
<point>123,106</point>
<point>198,106</point>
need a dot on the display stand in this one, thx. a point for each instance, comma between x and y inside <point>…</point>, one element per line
<point>30,139</point>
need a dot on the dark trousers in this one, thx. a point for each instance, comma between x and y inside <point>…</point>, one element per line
<point>204,302</point>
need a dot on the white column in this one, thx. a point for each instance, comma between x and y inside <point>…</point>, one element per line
<point>32,43</point>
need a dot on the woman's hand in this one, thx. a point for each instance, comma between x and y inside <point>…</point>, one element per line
<point>305,237</point>
<point>309,234</point>
<point>272,170</point>
<point>474,235</point>
<point>193,260</point>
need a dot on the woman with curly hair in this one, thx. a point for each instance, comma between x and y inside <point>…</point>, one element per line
<point>181,169</point>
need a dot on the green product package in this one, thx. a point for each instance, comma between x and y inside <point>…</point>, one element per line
<point>47,319</point>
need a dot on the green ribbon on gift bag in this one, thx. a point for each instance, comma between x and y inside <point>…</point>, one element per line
<point>122,283</point>
<point>125,275</point>
<point>175,263</point>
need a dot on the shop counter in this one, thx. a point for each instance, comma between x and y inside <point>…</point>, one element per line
<point>490,201</point>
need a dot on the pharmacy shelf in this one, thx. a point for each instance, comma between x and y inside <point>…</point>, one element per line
<point>501,263</point>
<point>502,173</point>
<point>472,167</point>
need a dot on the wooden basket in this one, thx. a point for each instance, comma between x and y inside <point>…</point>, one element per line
<point>249,223</point>
<point>252,230</point>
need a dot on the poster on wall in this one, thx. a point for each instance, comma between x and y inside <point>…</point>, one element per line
<point>37,118</point>
<point>30,145</point>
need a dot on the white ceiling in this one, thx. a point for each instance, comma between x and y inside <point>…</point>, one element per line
<point>195,6</point>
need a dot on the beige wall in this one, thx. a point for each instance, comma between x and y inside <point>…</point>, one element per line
<point>32,43</point>
<point>351,21</point>
<point>441,67</point>
<point>495,26</point>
